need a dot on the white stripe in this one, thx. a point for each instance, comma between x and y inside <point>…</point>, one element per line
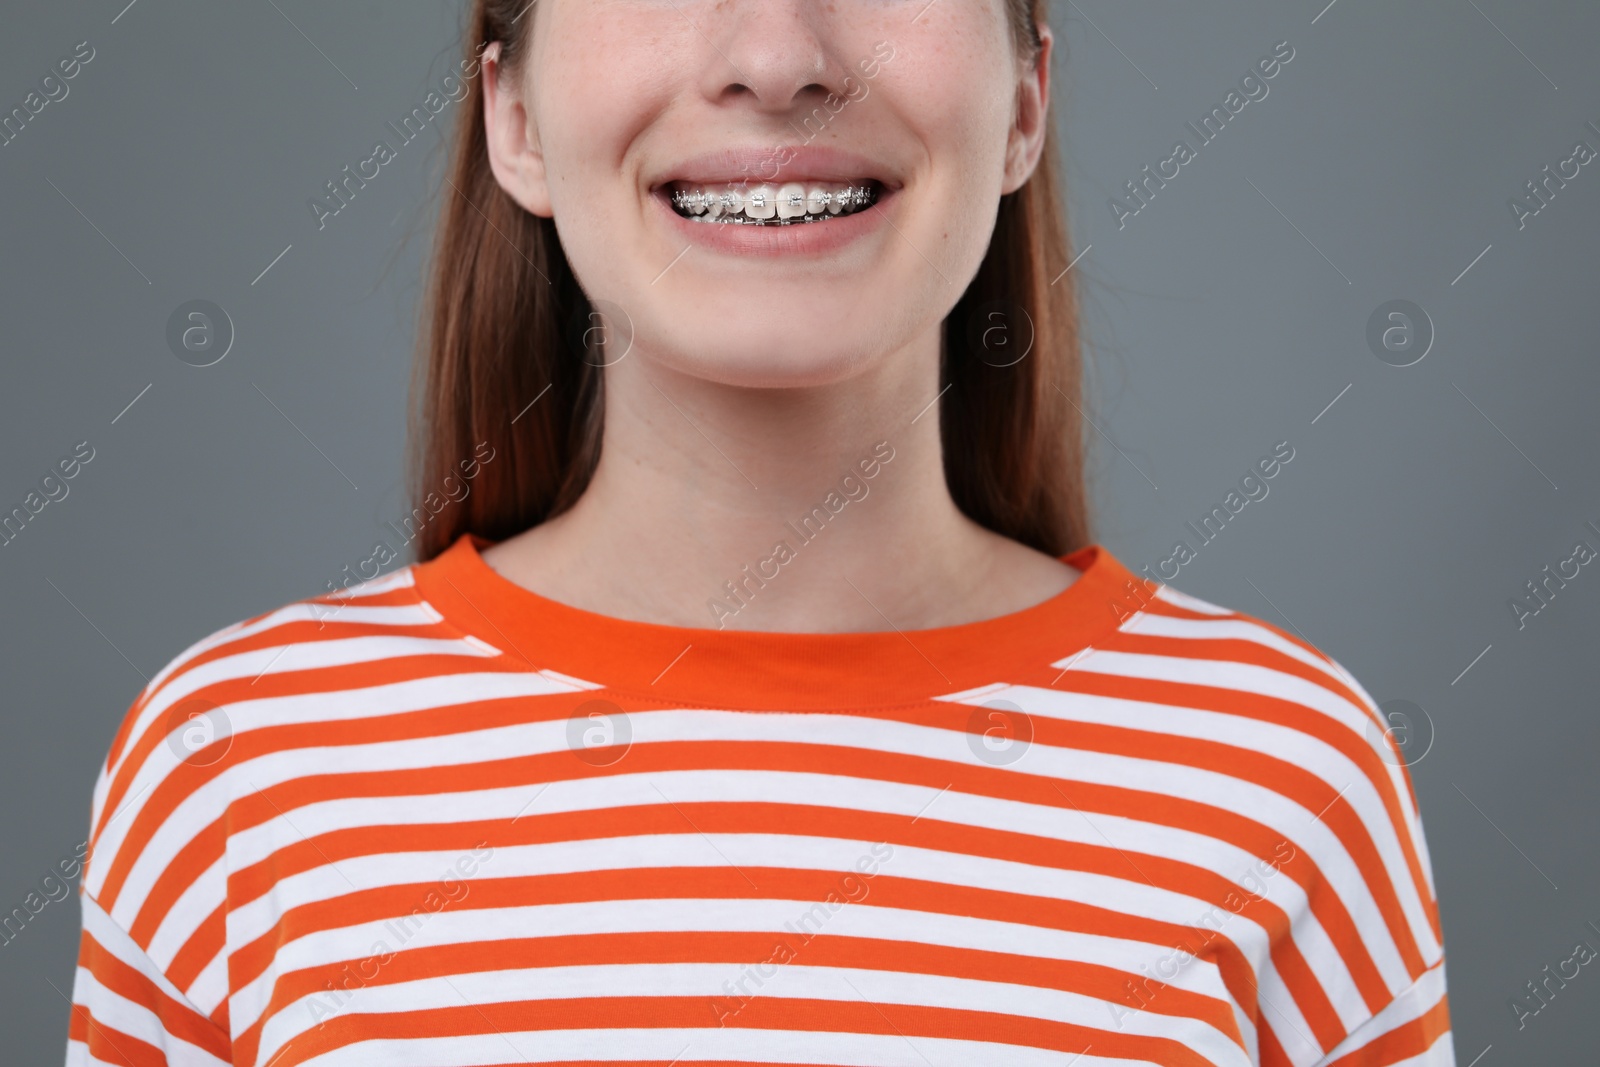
<point>1413,1002</point>
<point>731,1043</point>
<point>1225,674</point>
<point>1190,603</point>
<point>421,613</point>
<point>846,793</point>
<point>1237,628</point>
<point>192,907</point>
<point>1289,745</point>
<point>1284,743</point>
<point>210,986</point>
<point>1247,678</point>
<point>246,628</point>
<point>202,807</point>
<point>256,844</point>
<point>233,631</point>
<point>115,1011</point>
<point>1293,822</point>
<point>78,1056</point>
<point>569,680</point>
<point>552,985</point>
<point>1441,1053</point>
<point>461,923</point>
<point>1397,774</point>
<point>336,652</point>
<point>693,850</point>
<point>117,941</point>
<point>1248,629</point>
<point>403,578</point>
<point>974,696</point>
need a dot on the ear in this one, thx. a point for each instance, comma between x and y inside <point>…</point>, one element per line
<point>1032,120</point>
<point>514,154</point>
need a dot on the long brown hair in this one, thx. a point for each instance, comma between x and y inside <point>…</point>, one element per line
<point>506,324</point>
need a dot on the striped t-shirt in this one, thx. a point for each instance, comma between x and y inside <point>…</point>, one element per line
<point>438,819</point>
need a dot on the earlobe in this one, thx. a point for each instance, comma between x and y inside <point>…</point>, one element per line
<point>1030,123</point>
<point>515,158</point>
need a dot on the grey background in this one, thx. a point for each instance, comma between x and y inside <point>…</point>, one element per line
<point>1415,507</point>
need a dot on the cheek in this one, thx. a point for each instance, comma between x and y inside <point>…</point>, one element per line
<point>593,106</point>
<point>973,70</point>
<point>958,81</point>
<point>604,73</point>
<point>954,92</point>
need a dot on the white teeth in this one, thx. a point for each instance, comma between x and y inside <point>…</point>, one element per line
<point>791,201</point>
<point>771,205</point>
<point>761,202</point>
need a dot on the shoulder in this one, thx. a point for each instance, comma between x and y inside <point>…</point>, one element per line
<point>1308,724</point>
<point>1164,635</point>
<point>1277,738</point>
<point>196,748</point>
<point>217,704</point>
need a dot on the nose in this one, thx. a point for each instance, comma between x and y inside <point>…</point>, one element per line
<point>771,55</point>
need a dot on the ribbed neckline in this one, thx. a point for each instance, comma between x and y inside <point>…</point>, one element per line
<point>766,669</point>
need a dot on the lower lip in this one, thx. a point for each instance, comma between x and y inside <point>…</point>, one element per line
<point>795,239</point>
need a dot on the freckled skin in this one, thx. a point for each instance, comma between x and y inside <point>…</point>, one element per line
<point>617,88</point>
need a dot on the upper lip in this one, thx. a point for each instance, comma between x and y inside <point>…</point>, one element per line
<point>776,164</point>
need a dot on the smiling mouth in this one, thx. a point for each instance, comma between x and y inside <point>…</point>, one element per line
<point>772,205</point>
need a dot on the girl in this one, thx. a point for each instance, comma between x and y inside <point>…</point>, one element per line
<point>757,695</point>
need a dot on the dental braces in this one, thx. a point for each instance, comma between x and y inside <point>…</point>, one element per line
<point>698,203</point>
<point>740,220</point>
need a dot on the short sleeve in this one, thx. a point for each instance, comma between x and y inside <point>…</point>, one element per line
<point>149,992</point>
<point>125,1011</point>
<point>1413,1030</point>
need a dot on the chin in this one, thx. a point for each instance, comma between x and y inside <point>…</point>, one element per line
<point>768,362</point>
<point>816,335</point>
<point>758,356</point>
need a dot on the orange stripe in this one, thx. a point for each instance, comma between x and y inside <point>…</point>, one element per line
<point>1238,830</point>
<point>1025,662</point>
<point>1404,1041</point>
<point>251,960</point>
<point>247,885</point>
<point>764,1013</point>
<point>112,1046</point>
<point>1269,1049</point>
<point>1156,745</point>
<point>736,950</point>
<point>161,801</point>
<point>1205,885</point>
<point>330,679</point>
<point>202,946</point>
<point>1298,717</point>
<point>177,1019</point>
<point>197,855</point>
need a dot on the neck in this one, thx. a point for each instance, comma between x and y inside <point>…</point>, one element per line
<point>806,509</point>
